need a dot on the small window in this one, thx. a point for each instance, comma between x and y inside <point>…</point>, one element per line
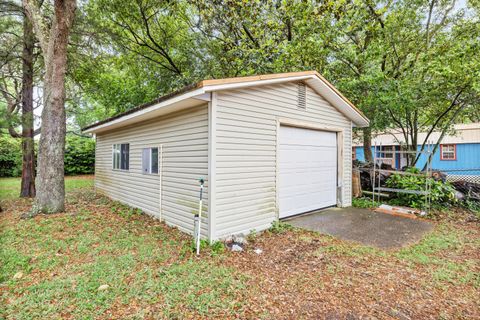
<point>150,160</point>
<point>388,154</point>
<point>448,152</point>
<point>121,156</point>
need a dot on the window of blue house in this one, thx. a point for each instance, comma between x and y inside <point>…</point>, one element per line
<point>448,152</point>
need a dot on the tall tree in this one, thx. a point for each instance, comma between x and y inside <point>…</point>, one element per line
<point>28,149</point>
<point>20,97</point>
<point>53,38</point>
<point>394,59</point>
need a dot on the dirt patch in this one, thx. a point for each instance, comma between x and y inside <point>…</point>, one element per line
<point>303,275</point>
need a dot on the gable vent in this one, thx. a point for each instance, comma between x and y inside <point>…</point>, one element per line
<point>302,95</point>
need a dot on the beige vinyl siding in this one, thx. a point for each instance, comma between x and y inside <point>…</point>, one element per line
<point>184,137</point>
<point>246,141</point>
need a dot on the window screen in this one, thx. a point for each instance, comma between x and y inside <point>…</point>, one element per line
<point>150,160</point>
<point>121,156</point>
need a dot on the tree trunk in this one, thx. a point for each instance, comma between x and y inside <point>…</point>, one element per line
<point>50,197</point>
<point>28,150</point>
<point>367,144</point>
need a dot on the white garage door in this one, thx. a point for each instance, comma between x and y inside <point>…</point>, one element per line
<point>308,170</point>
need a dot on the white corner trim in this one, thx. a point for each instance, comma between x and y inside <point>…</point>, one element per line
<point>277,171</point>
<point>212,145</point>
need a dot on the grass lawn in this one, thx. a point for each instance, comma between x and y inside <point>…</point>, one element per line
<point>101,259</point>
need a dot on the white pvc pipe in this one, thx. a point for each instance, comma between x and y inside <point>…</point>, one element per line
<point>199,231</point>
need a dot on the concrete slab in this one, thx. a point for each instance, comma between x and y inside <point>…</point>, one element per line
<point>364,226</point>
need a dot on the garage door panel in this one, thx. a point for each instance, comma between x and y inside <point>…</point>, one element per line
<point>307,170</point>
<point>295,181</point>
<point>298,137</point>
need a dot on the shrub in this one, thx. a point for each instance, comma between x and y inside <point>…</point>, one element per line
<point>79,155</point>
<point>10,157</point>
<point>364,202</point>
<point>442,193</point>
<point>217,247</point>
<point>280,227</point>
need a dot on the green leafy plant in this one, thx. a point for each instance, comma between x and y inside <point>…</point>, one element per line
<point>10,157</point>
<point>252,236</point>
<point>441,193</point>
<point>203,244</point>
<point>124,210</point>
<point>280,227</point>
<point>79,155</point>
<point>217,247</point>
<point>364,203</point>
<point>473,206</point>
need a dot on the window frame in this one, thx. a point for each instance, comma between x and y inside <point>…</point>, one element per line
<point>118,152</point>
<point>442,157</point>
<point>388,152</point>
<point>150,162</point>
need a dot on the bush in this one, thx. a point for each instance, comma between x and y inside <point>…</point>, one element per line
<point>79,155</point>
<point>442,193</point>
<point>280,227</point>
<point>10,157</point>
<point>364,202</point>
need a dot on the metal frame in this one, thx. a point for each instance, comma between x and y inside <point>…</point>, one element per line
<point>376,188</point>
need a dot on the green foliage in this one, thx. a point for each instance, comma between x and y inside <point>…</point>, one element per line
<point>79,155</point>
<point>364,203</point>
<point>124,210</point>
<point>86,250</point>
<point>431,251</point>
<point>473,206</point>
<point>10,157</point>
<point>443,238</point>
<point>442,193</point>
<point>252,235</point>
<point>204,244</point>
<point>280,227</point>
<point>217,247</point>
<point>382,55</point>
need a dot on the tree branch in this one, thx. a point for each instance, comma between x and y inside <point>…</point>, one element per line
<point>437,121</point>
<point>40,25</point>
<point>162,49</point>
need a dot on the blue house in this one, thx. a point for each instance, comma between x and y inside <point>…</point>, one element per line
<point>459,153</point>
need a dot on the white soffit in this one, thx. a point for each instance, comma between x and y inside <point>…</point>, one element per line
<point>177,103</point>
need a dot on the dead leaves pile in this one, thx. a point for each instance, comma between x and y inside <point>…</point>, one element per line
<point>300,275</point>
<point>303,275</point>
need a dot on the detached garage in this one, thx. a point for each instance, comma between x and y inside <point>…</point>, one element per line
<point>268,147</point>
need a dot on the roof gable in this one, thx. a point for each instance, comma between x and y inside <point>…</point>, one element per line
<point>199,93</point>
